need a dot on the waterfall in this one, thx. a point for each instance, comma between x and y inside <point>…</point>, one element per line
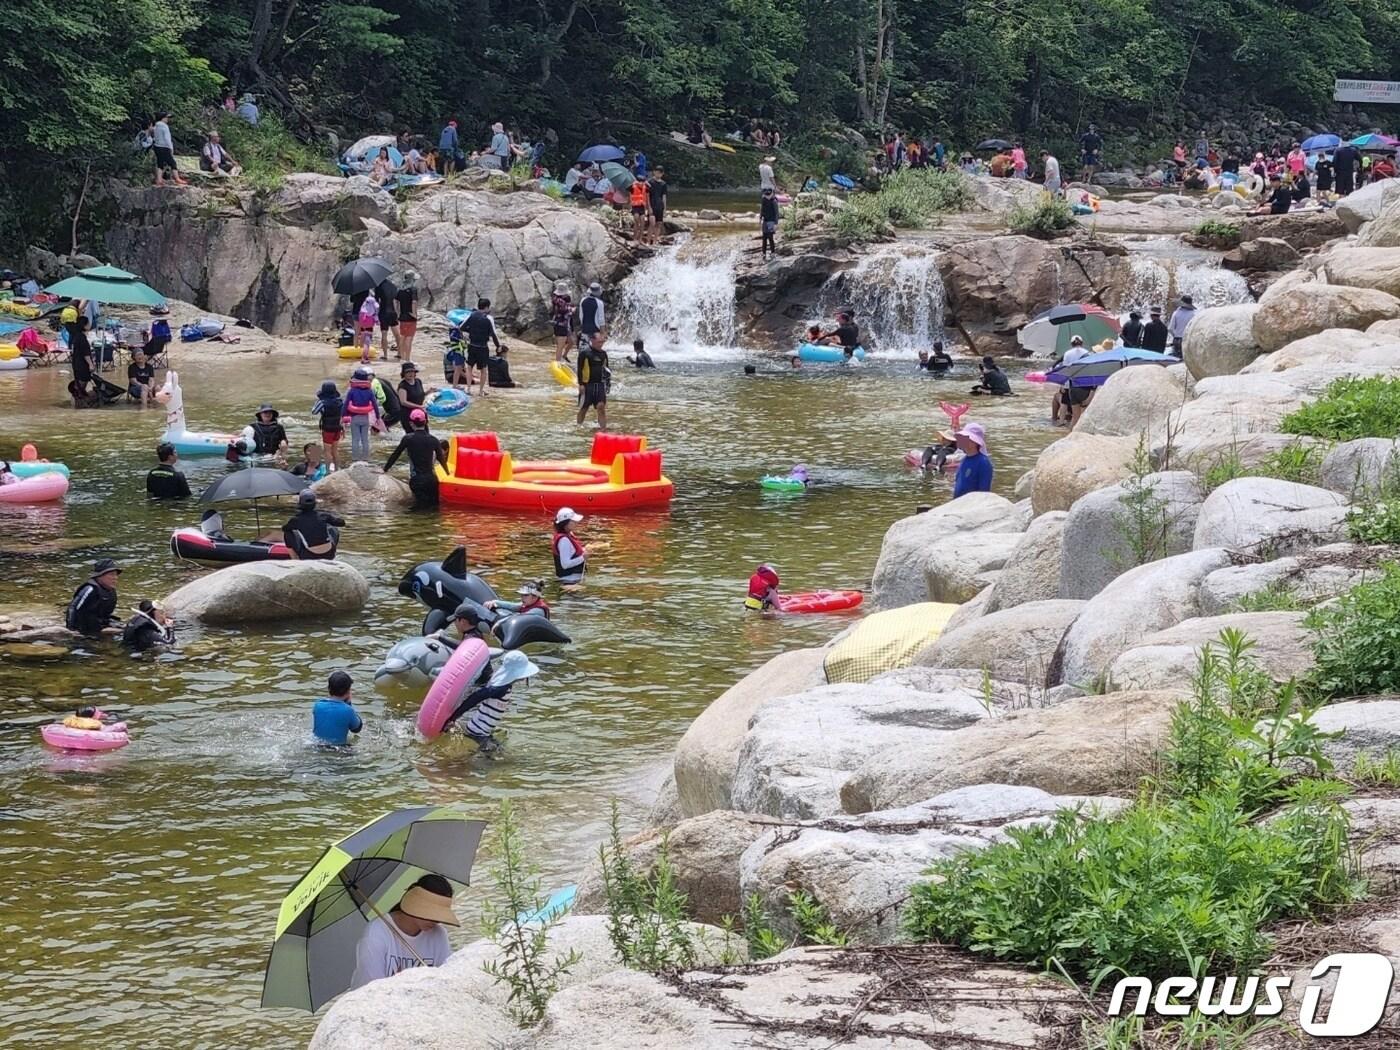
<point>1161,282</point>
<point>897,294</point>
<point>681,300</point>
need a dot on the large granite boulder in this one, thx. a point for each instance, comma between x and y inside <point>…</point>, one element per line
<point>957,572</point>
<point>1384,230</point>
<point>704,855</point>
<point>808,999</point>
<point>1364,267</point>
<point>1013,645</point>
<point>1366,203</point>
<point>363,487</point>
<point>1335,346</point>
<point>1149,598</point>
<point>1135,400</point>
<point>909,544</point>
<point>1300,309</point>
<point>1265,253</point>
<point>1220,341</point>
<point>1165,659</point>
<point>1215,422</point>
<point>268,591</point>
<point>800,748</point>
<point>1361,468</point>
<point>1301,229</point>
<point>1114,529</point>
<point>1371,725</point>
<point>708,754</point>
<point>1077,464</point>
<point>1031,572</point>
<point>1310,577</point>
<point>860,868</point>
<point>1270,517</point>
<point>1090,745</point>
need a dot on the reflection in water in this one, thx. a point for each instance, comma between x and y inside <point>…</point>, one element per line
<point>144,883</point>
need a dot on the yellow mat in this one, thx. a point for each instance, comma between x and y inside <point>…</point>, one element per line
<point>886,641</point>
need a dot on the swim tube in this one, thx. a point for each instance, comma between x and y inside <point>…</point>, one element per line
<point>457,316</point>
<point>447,402</point>
<point>14,364</point>
<point>827,354</point>
<point>347,353</point>
<point>819,601</point>
<point>451,686</point>
<point>41,488</point>
<point>34,467</point>
<point>108,738</point>
<point>783,483</point>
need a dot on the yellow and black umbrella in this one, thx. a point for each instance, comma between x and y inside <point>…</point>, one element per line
<point>357,880</point>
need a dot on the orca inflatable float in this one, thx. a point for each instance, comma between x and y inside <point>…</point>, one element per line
<point>512,630</point>
<point>445,584</point>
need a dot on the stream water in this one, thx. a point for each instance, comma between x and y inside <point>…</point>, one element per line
<point>141,887</point>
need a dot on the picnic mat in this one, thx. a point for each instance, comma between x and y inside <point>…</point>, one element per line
<point>886,641</point>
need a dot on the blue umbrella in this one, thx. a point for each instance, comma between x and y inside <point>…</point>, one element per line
<point>1094,369</point>
<point>1321,142</point>
<point>600,153</point>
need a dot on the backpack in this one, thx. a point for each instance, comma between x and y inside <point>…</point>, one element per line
<point>160,329</point>
<point>190,333</point>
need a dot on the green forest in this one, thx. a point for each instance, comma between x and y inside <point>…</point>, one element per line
<point>78,76</point>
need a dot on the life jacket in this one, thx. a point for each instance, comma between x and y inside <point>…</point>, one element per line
<point>96,613</point>
<point>639,195</point>
<point>588,315</point>
<point>360,400</point>
<point>267,437</point>
<point>559,569</point>
<point>79,722</point>
<point>369,314</point>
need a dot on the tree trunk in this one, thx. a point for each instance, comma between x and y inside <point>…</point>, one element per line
<point>78,211</point>
<point>553,38</point>
<point>863,109</point>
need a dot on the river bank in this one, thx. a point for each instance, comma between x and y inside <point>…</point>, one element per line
<point>1053,686</point>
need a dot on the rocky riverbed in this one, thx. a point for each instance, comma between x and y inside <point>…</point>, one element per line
<point>1052,687</point>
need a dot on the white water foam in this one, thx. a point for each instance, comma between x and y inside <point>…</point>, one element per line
<point>898,296</point>
<point>681,302</point>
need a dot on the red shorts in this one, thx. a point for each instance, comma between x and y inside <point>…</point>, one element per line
<point>330,437</point>
<point>408,327</point>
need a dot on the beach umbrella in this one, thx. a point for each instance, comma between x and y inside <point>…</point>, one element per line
<point>1321,142</point>
<point>992,144</point>
<point>598,154</point>
<point>619,176</point>
<point>360,276</point>
<point>1050,334</point>
<point>358,879</point>
<point>1094,369</point>
<point>253,483</point>
<point>107,284</point>
<point>1375,141</point>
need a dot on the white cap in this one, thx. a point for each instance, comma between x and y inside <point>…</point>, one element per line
<point>567,514</point>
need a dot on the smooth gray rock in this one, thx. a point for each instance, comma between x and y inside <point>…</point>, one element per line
<point>1270,517</point>
<point>267,591</point>
<point>1359,469</point>
<point>1134,400</point>
<point>1165,659</point>
<point>1013,645</point>
<point>1366,725</point>
<point>1031,572</point>
<point>1314,576</point>
<point>1108,532</point>
<point>1220,340</point>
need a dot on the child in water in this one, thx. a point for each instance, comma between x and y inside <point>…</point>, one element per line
<point>88,719</point>
<point>763,589</point>
<point>7,476</point>
<point>456,358</point>
<point>531,600</point>
<point>936,455</point>
<point>369,320</point>
<point>331,409</point>
<point>485,707</point>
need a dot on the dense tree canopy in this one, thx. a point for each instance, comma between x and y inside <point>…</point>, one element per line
<point>78,76</point>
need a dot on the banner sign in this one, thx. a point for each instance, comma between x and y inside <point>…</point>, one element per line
<point>1367,91</point>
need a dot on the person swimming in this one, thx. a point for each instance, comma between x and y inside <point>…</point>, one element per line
<point>87,718</point>
<point>531,600</point>
<point>936,455</point>
<point>763,589</point>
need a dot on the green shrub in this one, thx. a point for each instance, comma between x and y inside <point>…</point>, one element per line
<point>1379,770</point>
<point>1143,521</point>
<point>1186,868</point>
<point>809,915</point>
<point>1045,218</point>
<point>1227,467</point>
<point>1350,408</point>
<point>908,199</point>
<point>1217,233</point>
<point>1276,597</point>
<point>1356,641</point>
<point>1293,462</point>
<point>269,151</point>
<point>1377,523</point>
<point>647,920</point>
<point>863,219</point>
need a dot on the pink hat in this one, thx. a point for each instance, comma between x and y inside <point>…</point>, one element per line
<point>974,433</point>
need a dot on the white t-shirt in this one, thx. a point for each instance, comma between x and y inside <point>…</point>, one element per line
<point>765,177</point>
<point>1074,354</point>
<point>383,952</point>
<point>1052,170</point>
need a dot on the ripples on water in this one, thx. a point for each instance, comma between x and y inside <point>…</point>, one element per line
<point>141,886</point>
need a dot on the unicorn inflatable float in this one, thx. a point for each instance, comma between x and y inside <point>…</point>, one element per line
<point>187,442</point>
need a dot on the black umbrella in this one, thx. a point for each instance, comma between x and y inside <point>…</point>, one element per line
<point>253,483</point>
<point>360,276</point>
<point>993,144</point>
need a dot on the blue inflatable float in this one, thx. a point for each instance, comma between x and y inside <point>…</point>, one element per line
<point>828,355</point>
<point>447,402</point>
<point>457,316</point>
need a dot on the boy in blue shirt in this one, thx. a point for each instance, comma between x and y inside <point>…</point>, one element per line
<point>333,719</point>
<point>975,470</point>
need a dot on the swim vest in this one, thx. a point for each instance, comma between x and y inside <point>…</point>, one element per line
<point>559,569</point>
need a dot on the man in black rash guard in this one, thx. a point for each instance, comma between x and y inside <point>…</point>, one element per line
<point>164,481</point>
<point>310,534</point>
<point>424,452</point>
<point>480,330</point>
<point>269,436</point>
<point>91,612</point>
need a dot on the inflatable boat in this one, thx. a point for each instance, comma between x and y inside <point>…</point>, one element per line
<point>191,544</point>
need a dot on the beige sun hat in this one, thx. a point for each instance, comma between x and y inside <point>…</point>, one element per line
<point>428,906</point>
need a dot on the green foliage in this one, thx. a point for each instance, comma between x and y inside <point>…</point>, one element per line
<point>1350,408</point>
<point>1218,234</point>
<point>1187,867</point>
<point>1227,467</point>
<point>1276,597</point>
<point>1376,523</point>
<point>1356,641</point>
<point>764,942</point>
<point>524,966</point>
<point>1378,770</point>
<point>863,219</point>
<point>1143,521</point>
<point>647,921</point>
<point>808,915</point>
<point>269,151</point>
<point>1296,461</point>
<point>907,199</point>
<point>1048,216</point>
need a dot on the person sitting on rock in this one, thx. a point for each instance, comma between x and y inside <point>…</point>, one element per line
<point>993,381</point>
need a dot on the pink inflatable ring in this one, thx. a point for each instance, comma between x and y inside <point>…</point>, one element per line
<point>451,686</point>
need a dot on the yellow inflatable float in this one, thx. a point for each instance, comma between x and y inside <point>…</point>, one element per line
<point>8,351</point>
<point>562,375</point>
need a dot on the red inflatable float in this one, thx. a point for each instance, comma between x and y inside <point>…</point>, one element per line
<point>819,601</point>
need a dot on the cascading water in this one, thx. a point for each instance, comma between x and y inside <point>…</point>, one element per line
<point>898,296</point>
<point>1161,282</point>
<point>681,300</point>
<point>1210,285</point>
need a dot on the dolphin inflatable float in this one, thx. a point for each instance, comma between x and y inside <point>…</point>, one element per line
<point>512,630</point>
<point>416,660</point>
<point>446,584</point>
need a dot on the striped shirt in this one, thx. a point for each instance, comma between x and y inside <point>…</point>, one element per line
<point>487,715</point>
